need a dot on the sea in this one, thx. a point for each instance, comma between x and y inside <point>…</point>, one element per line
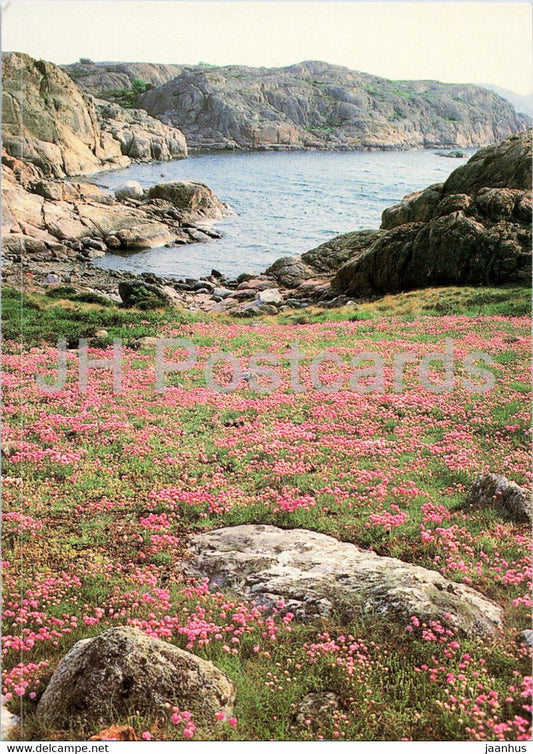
<point>285,203</point>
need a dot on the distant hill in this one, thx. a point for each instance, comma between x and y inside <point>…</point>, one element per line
<point>308,105</point>
<point>522,103</point>
<point>315,104</point>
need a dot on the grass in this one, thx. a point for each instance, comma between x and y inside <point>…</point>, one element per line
<point>83,474</point>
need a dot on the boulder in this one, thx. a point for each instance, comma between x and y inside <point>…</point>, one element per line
<point>527,637</point>
<point>495,491</point>
<point>144,235</point>
<point>123,671</point>
<point>9,723</point>
<point>269,296</point>
<point>143,295</point>
<point>290,272</point>
<point>221,292</point>
<point>414,208</point>
<point>129,190</point>
<point>315,712</point>
<point>317,575</point>
<point>504,165</point>
<point>191,196</point>
<point>18,243</point>
<point>379,268</point>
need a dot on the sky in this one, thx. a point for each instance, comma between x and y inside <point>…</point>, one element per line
<point>477,42</point>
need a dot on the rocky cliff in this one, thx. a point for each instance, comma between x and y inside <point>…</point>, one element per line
<point>473,229</point>
<point>48,121</point>
<point>318,105</point>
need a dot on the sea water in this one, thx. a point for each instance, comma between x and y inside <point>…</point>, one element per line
<point>285,203</point>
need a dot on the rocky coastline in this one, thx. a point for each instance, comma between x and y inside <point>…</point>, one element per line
<point>475,228</point>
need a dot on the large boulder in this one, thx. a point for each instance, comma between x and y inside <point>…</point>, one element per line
<point>496,491</point>
<point>473,230</point>
<point>9,723</point>
<point>290,272</point>
<point>414,208</point>
<point>122,671</point>
<point>191,197</point>
<point>129,190</point>
<point>317,575</point>
<point>143,295</point>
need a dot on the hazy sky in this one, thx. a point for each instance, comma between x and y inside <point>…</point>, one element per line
<point>458,42</point>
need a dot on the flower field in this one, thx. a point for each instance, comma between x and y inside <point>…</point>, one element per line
<point>103,489</point>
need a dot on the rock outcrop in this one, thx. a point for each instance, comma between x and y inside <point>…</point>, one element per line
<point>328,257</point>
<point>49,122</point>
<point>495,491</point>
<point>40,214</point>
<point>124,670</point>
<point>141,137</point>
<point>317,575</point>
<point>317,105</point>
<point>475,229</point>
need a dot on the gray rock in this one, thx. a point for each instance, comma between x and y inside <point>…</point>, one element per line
<point>192,196</point>
<point>493,490</point>
<point>527,637</point>
<point>318,575</point>
<point>222,292</point>
<point>143,295</point>
<point>269,296</point>
<point>113,242</point>
<point>329,256</point>
<point>92,253</point>
<point>203,285</point>
<point>129,190</point>
<point>290,271</point>
<point>124,670</point>
<point>315,712</point>
<point>21,244</point>
<point>9,723</point>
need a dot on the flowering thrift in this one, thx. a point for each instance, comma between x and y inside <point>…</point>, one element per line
<point>102,491</point>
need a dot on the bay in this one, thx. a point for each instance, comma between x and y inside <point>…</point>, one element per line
<point>286,203</point>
